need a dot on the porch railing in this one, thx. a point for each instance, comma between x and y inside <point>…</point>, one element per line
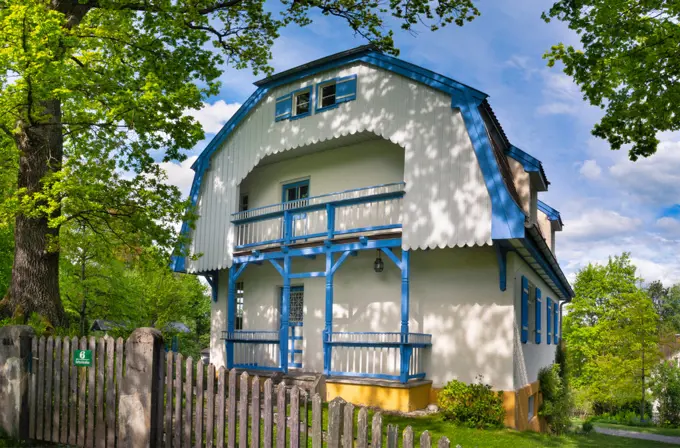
<point>255,349</point>
<point>362,210</point>
<point>378,354</point>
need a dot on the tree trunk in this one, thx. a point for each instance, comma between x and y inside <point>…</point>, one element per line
<point>35,273</point>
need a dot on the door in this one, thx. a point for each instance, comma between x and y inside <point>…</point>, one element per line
<point>293,195</point>
<point>295,318</point>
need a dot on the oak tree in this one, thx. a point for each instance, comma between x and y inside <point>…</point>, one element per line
<point>94,92</point>
<point>627,65</point>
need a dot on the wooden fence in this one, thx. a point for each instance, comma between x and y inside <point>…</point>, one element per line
<point>197,405</point>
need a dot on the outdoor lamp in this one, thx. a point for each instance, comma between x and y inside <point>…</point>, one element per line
<point>378,264</point>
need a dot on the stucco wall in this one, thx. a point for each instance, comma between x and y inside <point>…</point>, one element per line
<point>522,183</point>
<point>546,230</point>
<point>365,164</point>
<point>529,357</point>
<point>455,296</point>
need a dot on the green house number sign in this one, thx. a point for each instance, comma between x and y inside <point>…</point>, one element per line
<point>82,358</point>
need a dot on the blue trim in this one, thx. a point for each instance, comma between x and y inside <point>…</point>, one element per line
<point>337,103</point>
<point>387,251</point>
<point>212,279</point>
<point>537,316</point>
<point>549,313</point>
<point>406,350</point>
<point>507,217</point>
<point>328,324</point>
<point>256,366</point>
<point>530,163</point>
<point>556,312</point>
<point>308,275</point>
<point>551,213</point>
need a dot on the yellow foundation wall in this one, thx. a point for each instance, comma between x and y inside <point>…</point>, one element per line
<point>402,399</point>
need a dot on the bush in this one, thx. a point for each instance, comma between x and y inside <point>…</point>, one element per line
<point>557,403</point>
<point>587,426</point>
<point>628,418</point>
<point>600,407</point>
<point>666,389</point>
<point>473,405</point>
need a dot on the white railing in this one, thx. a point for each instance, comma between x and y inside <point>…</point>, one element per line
<point>363,210</point>
<point>251,335</point>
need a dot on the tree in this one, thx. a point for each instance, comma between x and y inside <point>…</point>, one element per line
<point>667,305</point>
<point>93,91</point>
<point>610,332</point>
<point>628,66</point>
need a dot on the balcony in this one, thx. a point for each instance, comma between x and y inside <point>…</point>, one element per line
<point>362,211</point>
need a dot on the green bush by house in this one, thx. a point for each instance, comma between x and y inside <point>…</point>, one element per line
<point>473,405</point>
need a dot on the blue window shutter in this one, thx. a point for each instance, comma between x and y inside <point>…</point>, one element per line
<point>548,319</point>
<point>525,310</point>
<point>556,310</point>
<point>538,316</point>
<point>346,89</point>
<point>283,107</point>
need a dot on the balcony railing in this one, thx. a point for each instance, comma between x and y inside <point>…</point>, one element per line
<point>255,349</point>
<point>379,354</point>
<point>362,210</point>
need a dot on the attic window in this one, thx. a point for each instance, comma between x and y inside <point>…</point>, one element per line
<point>301,103</point>
<point>327,95</point>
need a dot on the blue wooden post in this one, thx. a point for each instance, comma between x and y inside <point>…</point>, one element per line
<point>231,314</point>
<point>285,314</point>
<point>328,328</point>
<point>405,349</point>
<point>330,219</point>
<point>287,227</point>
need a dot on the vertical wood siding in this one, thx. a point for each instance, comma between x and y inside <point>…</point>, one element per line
<point>446,202</point>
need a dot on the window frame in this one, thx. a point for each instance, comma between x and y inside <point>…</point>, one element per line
<point>319,91</point>
<point>240,302</point>
<point>531,406</point>
<point>240,202</point>
<point>295,94</point>
<point>294,184</point>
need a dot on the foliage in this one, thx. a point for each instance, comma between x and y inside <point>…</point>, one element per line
<point>556,405</point>
<point>626,65</point>
<point>601,408</point>
<point>627,418</point>
<point>473,405</point>
<point>665,387</point>
<point>121,78</point>
<point>582,404</point>
<point>610,332</point>
<point>667,304</point>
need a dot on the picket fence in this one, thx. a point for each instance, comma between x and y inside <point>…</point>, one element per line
<point>199,405</point>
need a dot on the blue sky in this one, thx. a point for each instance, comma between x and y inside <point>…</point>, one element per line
<point>608,204</point>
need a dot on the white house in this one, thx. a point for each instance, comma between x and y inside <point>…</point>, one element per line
<point>367,219</point>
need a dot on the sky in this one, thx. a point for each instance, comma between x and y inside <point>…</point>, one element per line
<point>608,204</point>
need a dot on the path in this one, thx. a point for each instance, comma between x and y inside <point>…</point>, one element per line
<point>638,435</point>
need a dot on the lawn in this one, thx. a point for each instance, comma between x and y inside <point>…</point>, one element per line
<point>675,432</point>
<point>501,438</point>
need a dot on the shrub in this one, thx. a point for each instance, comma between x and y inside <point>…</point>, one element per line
<point>473,405</point>
<point>587,426</point>
<point>666,389</point>
<point>557,402</point>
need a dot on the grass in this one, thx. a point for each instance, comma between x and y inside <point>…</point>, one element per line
<point>648,429</point>
<point>494,438</point>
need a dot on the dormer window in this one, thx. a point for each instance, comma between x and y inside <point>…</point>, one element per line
<point>327,94</point>
<point>301,103</point>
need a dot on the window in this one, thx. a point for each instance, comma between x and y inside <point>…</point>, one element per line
<point>243,203</point>
<point>239,306</point>
<point>301,101</point>
<point>327,95</point>
<point>531,406</point>
<point>295,191</point>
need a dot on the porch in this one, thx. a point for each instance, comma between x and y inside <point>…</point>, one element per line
<point>334,227</point>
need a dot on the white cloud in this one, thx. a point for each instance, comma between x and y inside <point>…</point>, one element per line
<point>656,179</point>
<point>590,169</point>
<point>180,174</point>
<point>557,108</point>
<point>213,116</point>
<point>597,223</point>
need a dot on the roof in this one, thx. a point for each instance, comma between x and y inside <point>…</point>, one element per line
<point>551,213</point>
<point>530,164</point>
<point>178,327</point>
<point>104,325</point>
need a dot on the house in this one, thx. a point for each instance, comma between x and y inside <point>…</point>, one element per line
<point>367,219</point>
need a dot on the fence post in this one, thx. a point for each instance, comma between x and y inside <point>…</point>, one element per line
<point>137,403</point>
<point>15,362</point>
